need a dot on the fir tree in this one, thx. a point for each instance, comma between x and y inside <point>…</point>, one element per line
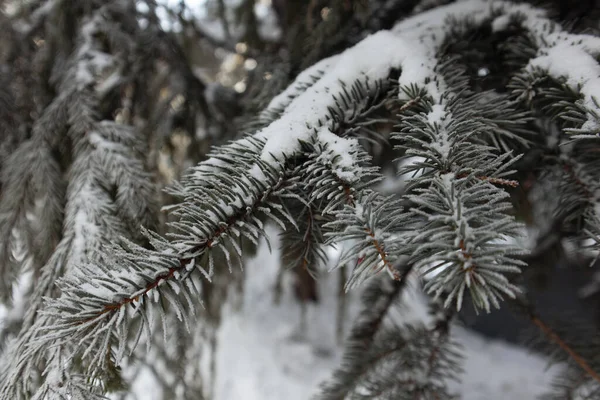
<point>488,112</point>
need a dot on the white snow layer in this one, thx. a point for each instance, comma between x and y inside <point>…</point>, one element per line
<point>581,72</point>
<point>412,46</point>
<point>262,355</point>
<point>373,58</point>
<point>565,56</point>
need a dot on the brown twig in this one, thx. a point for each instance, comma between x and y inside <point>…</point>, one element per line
<point>184,262</point>
<point>378,246</point>
<point>570,170</point>
<point>382,254</point>
<point>553,336</point>
<point>409,104</point>
<point>492,180</point>
<point>499,181</point>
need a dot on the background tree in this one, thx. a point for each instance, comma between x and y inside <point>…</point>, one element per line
<point>452,143</point>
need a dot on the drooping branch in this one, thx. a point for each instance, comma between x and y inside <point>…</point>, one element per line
<point>384,358</point>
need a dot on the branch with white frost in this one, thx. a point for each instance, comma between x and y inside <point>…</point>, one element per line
<point>457,231</point>
<point>108,192</point>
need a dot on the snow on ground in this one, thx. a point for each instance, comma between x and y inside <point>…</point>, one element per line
<point>496,370</point>
<point>263,356</point>
<point>262,351</point>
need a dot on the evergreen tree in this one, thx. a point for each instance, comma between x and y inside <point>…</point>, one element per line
<point>487,112</point>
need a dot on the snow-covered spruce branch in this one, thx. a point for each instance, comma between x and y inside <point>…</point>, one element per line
<point>563,82</point>
<point>366,222</point>
<point>108,193</point>
<point>447,132</point>
<point>343,193</point>
<point>457,227</point>
<point>92,220</point>
<point>299,118</point>
<point>212,217</point>
<point>31,200</point>
<point>465,229</point>
<point>327,183</point>
<point>456,163</point>
<point>222,201</point>
<point>279,103</point>
<point>453,205</point>
<point>98,307</point>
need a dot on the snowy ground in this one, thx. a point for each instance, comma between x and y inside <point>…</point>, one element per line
<point>263,356</point>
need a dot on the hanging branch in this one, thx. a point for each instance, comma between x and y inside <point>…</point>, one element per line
<point>387,359</point>
<point>108,189</point>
